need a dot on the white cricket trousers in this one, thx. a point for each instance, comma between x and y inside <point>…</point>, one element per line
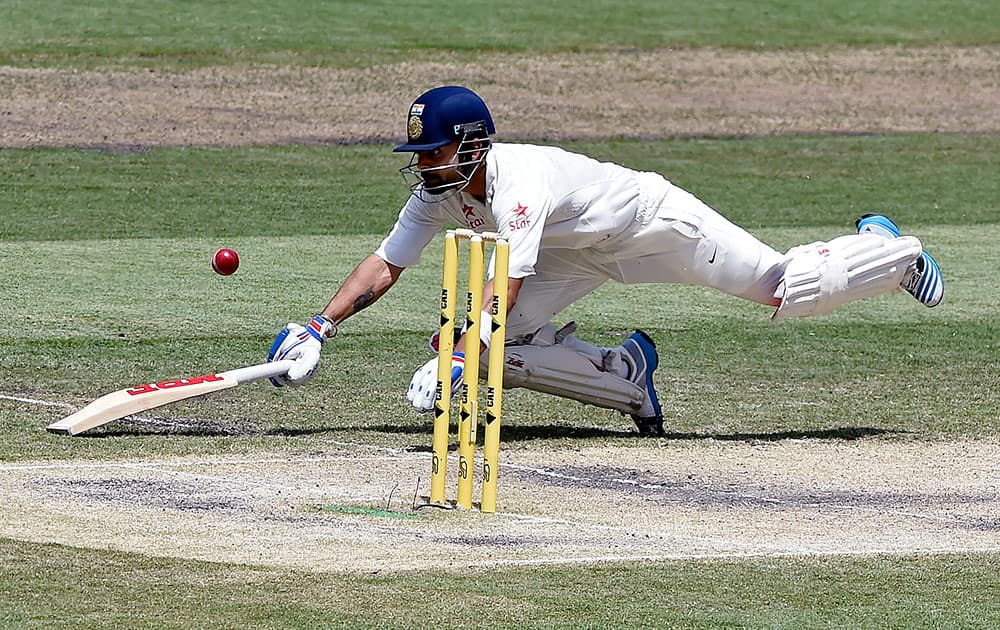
<point>676,238</point>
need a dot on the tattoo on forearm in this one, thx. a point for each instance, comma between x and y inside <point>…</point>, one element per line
<point>364,300</point>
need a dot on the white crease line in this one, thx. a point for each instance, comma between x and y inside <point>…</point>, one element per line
<point>33,401</point>
<point>187,425</point>
<point>230,482</point>
<point>187,464</point>
<point>136,419</point>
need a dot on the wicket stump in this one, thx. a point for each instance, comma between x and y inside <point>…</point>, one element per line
<point>469,407</point>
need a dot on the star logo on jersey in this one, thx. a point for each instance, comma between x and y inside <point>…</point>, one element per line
<point>471,220</point>
<point>521,219</point>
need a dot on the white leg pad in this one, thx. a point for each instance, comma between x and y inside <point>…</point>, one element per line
<point>821,276</point>
<point>604,359</point>
<point>561,371</point>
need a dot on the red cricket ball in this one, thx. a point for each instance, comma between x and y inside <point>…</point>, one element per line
<point>225,262</point>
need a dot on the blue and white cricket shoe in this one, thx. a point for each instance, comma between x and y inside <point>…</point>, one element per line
<point>642,352</point>
<point>923,279</point>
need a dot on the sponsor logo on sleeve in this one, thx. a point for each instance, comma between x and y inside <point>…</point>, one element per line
<point>471,220</point>
<point>521,219</point>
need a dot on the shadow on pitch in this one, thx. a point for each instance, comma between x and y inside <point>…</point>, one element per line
<point>510,432</point>
<point>840,433</point>
<point>514,433</point>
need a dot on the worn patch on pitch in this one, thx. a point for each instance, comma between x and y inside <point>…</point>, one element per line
<point>148,493</point>
<point>689,490</point>
<point>644,501</point>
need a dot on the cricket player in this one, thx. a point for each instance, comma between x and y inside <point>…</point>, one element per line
<point>574,223</point>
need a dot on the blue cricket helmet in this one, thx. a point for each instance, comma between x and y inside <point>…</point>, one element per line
<point>445,114</point>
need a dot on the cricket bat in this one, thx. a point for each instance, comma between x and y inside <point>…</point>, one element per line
<point>133,400</point>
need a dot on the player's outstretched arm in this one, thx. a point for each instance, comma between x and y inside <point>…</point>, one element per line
<point>302,344</point>
<point>367,283</point>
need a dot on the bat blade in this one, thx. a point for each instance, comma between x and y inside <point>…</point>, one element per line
<point>135,399</point>
<point>140,398</point>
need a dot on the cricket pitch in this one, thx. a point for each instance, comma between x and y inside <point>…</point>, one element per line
<point>667,500</point>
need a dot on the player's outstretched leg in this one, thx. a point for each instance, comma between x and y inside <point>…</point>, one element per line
<point>639,353</point>
<point>923,279</point>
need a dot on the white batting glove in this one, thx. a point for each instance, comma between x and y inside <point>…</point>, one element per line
<point>423,385</point>
<point>302,345</point>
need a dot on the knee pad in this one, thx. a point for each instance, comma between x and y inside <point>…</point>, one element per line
<point>821,276</point>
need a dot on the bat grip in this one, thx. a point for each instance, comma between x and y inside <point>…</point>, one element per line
<point>258,372</point>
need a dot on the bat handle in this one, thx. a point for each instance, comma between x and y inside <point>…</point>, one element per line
<point>258,372</point>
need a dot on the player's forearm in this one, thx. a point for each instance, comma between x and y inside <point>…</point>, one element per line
<point>513,288</point>
<point>367,283</point>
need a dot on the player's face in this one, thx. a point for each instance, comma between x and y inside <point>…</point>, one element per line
<point>446,170</point>
<point>442,163</point>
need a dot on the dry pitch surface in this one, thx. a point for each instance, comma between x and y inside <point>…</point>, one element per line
<point>656,499</point>
<point>636,94</point>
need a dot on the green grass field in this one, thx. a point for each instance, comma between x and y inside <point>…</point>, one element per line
<point>360,32</point>
<point>927,592</point>
<point>106,282</point>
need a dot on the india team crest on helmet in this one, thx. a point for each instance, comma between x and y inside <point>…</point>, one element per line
<point>414,127</point>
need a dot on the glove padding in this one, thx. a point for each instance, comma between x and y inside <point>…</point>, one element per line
<point>432,343</point>
<point>423,385</point>
<point>302,345</point>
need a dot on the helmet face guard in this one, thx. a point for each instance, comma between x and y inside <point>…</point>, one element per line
<point>469,156</point>
<point>438,118</point>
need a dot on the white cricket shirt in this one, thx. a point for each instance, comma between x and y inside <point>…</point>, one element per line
<point>537,197</point>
